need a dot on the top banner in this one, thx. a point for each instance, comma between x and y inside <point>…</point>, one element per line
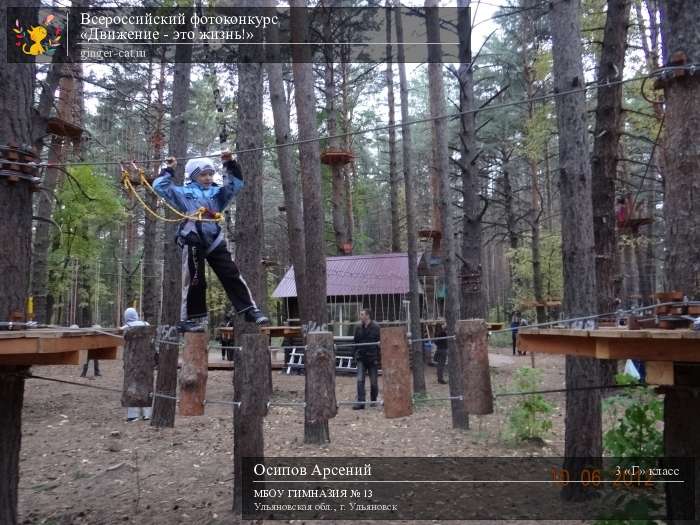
<point>229,35</point>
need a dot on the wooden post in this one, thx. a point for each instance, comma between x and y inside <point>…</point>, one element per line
<point>11,397</point>
<point>319,390</point>
<point>473,346</point>
<point>138,367</point>
<point>252,390</point>
<point>193,374</point>
<point>166,382</point>
<point>398,401</point>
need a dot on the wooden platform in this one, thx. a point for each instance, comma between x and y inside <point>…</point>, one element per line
<point>659,348</point>
<point>69,346</point>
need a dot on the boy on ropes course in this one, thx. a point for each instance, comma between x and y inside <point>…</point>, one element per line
<point>201,238</point>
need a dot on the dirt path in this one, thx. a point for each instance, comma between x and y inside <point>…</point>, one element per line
<point>83,463</point>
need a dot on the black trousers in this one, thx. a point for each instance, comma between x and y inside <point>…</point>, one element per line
<point>372,368</point>
<point>194,284</point>
<point>95,363</point>
<point>440,360</point>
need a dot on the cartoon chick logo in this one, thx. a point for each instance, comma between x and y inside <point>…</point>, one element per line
<point>31,41</point>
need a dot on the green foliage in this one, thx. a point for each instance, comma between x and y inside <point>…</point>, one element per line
<point>637,414</point>
<point>529,419</point>
<point>552,275</point>
<point>88,208</point>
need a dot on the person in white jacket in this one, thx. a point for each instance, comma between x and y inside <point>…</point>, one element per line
<point>131,319</point>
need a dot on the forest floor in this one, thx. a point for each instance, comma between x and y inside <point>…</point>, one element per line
<point>81,462</point>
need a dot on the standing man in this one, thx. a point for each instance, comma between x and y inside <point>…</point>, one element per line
<point>441,352</point>
<point>367,357</point>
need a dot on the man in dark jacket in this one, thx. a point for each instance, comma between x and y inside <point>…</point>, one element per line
<point>441,352</point>
<point>367,357</point>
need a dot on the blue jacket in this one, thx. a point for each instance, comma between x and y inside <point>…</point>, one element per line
<point>191,197</point>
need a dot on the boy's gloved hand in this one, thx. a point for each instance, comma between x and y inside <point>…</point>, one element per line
<point>231,165</point>
<point>170,164</point>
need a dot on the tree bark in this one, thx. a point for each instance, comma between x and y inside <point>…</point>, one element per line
<point>473,346</point>
<point>138,367</point>
<point>151,282</point>
<point>393,168</point>
<point>583,435</point>
<point>608,122</point>
<point>172,256</point>
<point>319,389</point>
<point>16,91</point>
<point>682,213</point>
<point>11,399</point>
<point>411,230</point>
<point>309,159</point>
<point>398,401</point>
<point>441,157</point>
<point>288,174</point>
<point>166,382</point>
<point>251,388</point>
<point>473,302</point>
<point>338,200</point>
<point>193,374</point>
<point>250,232</point>
<point>682,176</point>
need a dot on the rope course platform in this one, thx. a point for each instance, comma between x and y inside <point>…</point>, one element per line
<point>659,348</point>
<point>69,346</point>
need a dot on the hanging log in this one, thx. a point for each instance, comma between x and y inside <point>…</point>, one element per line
<point>166,383</point>
<point>252,389</point>
<point>472,343</point>
<point>138,367</point>
<point>193,375</point>
<point>398,401</point>
<point>319,360</point>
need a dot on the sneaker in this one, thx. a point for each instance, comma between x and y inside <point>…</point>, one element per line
<point>130,419</point>
<point>255,315</point>
<point>191,325</point>
<point>358,407</point>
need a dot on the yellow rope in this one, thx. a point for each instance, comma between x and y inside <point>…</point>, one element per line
<point>199,214</point>
<point>128,185</point>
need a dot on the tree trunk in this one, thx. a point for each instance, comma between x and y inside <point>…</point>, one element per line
<point>138,367</point>
<point>288,174</point>
<point>309,159</point>
<point>251,388</point>
<point>393,168</point>
<point>583,436</point>
<point>16,92</point>
<point>338,200</point>
<point>682,213</point>
<point>473,345</point>
<point>608,123</point>
<point>166,382</point>
<point>473,302</point>
<point>193,374</point>
<point>441,156</point>
<point>250,236</point>
<point>172,255</point>
<point>411,230</point>
<point>319,389</point>
<point>348,173</point>
<point>398,401</point>
<point>151,282</point>
<point>682,176</point>
<point>11,399</point>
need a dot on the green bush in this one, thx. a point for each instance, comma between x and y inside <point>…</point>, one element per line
<point>530,418</point>
<point>636,413</point>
